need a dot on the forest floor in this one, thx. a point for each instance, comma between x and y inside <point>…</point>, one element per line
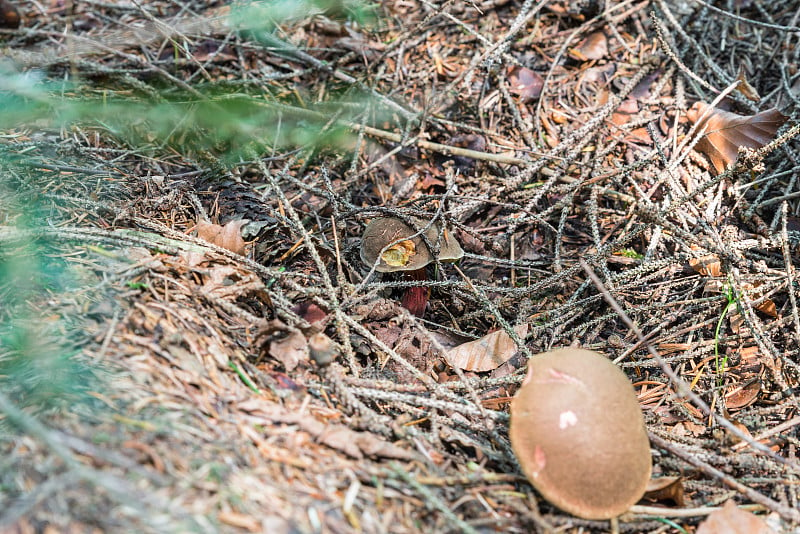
<point>183,190</point>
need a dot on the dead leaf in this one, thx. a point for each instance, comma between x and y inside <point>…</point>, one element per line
<point>471,142</point>
<point>594,46</point>
<point>228,236</point>
<point>732,520</point>
<point>767,306</point>
<point>309,311</point>
<point>287,345</point>
<point>211,50</point>
<point>243,521</point>
<point>708,265</point>
<point>665,489</point>
<point>742,395</point>
<point>525,83</point>
<point>351,442</point>
<point>726,132</point>
<point>745,88</point>
<point>486,353</point>
<point>625,111</point>
<point>736,322</point>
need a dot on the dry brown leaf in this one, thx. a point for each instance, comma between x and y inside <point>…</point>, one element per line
<point>736,322</point>
<point>740,396</point>
<point>486,353</point>
<point>768,306</point>
<point>665,489</point>
<point>625,112</point>
<point>594,46</point>
<point>708,265</point>
<point>243,521</point>
<point>228,236</point>
<point>287,345</point>
<point>351,442</point>
<point>732,520</point>
<point>726,132</point>
<point>745,88</point>
<point>525,83</point>
<point>309,311</point>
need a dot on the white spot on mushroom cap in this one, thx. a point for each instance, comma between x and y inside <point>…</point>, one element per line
<point>567,419</point>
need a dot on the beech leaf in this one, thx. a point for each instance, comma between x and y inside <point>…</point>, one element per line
<point>727,131</point>
<point>486,353</point>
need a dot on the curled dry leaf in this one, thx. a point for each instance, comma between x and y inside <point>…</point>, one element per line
<point>525,83</point>
<point>742,395</point>
<point>747,90</point>
<point>731,520</point>
<point>665,489</point>
<point>707,265</point>
<point>594,46</point>
<point>486,353</point>
<point>726,132</point>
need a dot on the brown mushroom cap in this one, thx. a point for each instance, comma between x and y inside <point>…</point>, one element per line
<point>407,254</point>
<point>579,434</point>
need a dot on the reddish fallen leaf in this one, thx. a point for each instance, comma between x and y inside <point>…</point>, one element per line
<point>228,236</point>
<point>708,265</point>
<point>768,306</point>
<point>594,46</point>
<point>726,132</point>
<point>525,83</point>
<point>309,311</point>
<point>732,520</point>
<point>486,353</point>
<point>743,395</point>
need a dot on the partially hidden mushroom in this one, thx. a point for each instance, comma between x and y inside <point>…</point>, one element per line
<point>391,245</point>
<point>579,434</point>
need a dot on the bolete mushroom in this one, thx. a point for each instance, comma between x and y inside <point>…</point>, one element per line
<point>579,434</point>
<point>390,245</point>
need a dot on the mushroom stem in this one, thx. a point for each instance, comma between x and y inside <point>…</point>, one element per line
<point>415,299</point>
